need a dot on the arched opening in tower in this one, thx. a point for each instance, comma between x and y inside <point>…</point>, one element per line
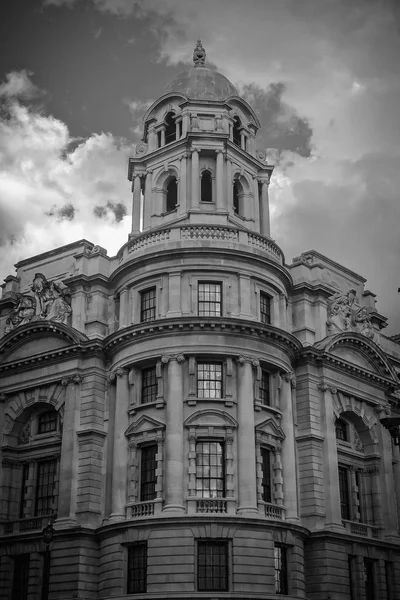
<point>170,128</point>
<point>172,195</point>
<point>236,198</point>
<point>206,187</point>
<point>236,131</point>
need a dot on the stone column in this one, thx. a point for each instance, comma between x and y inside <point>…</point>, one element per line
<point>174,435</point>
<point>136,188</point>
<point>183,186</point>
<point>177,130</point>
<point>152,139</point>
<point>386,503</point>
<point>229,184</point>
<point>174,295</point>
<point>124,315</point>
<point>195,179</point>
<point>333,517</point>
<point>69,453</point>
<point>288,447</point>
<point>133,473</point>
<point>220,180</point>
<point>264,209</point>
<point>163,136</point>
<point>120,444</point>
<point>247,482</point>
<point>256,201</point>
<point>242,140</point>
<point>147,201</point>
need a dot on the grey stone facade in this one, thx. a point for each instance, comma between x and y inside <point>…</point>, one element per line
<point>196,417</point>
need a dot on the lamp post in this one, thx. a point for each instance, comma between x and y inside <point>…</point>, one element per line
<point>48,533</point>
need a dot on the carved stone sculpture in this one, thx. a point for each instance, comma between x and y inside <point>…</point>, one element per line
<point>345,315</point>
<point>45,302</point>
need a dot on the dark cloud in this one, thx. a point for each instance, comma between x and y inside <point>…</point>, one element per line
<point>281,127</point>
<point>117,208</point>
<point>66,212</point>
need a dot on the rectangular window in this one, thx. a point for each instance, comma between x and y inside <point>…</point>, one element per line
<point>264,388</point>
<point>46,487</point>
<point>344,492</point>
<point>24,482</point>
<point>212,566</point>
<point>148,478</point>
<point>369,579</point>
<point>351,568</point>
<point>148,305</point>
<point>265,308</point>
<point>209,299</point>
<point>209,380</point>
<point>266,475</point>
<point>359,496</point>
<point>137,568</point>
<point>281,573</point>
<point>21,577</point>
<point>149,385</point>
<point>389,579</point>
<point>47,421</point>
<point>210,470</point>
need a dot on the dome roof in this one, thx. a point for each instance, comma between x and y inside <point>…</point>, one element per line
<point>201,83</point>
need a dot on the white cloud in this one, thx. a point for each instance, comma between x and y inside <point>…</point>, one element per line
<point>19,85</point>
<point>51,183</point>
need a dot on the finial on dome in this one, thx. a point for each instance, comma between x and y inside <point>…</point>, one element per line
<point>199,55</point>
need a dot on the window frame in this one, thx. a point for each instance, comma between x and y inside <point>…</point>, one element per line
<point>200,283</point>
<point>51,421</point>
<point>264,392</point>
<point>205,568</point>
<point>344,493</point>
<point>154,479</point>
<point>210,184</point>
<point>266,480</point>
<point>220,478</point>
<point>264,295</point>
<point>38,512</point>
<point>281,586</point>
<point>144,388</point>
<point>215,363</point>
<point>169,209</point>
<point>141,584</point>
<point>343,429</point>
<point>143,309</point>
<point>20,576</point>
<point>369,583</point>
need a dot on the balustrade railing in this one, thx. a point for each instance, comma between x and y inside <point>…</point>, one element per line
<point>24,525</point>
<point>142,509</point>
<point>362,529</point>
<point>211,506</point>
<point>274,511</point>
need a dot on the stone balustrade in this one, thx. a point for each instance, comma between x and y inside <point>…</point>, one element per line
<point>274,511</point>
<point>362,530</point>
<point>216,505</point>
<point>22,525</point>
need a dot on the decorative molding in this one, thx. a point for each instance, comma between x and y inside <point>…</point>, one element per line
<point>180,358</point>
<point>241,360</point>
<point>76,379</point>
<point>119,372</point>
<point>290,377</point>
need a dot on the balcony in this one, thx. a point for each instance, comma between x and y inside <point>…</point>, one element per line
<point>136,510</point>
<point>272,511</point>
<point>211,506</point>
<point>362,530</point>
<point>24,525</point>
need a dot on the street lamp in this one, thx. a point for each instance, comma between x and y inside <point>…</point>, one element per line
<point>48,533</point>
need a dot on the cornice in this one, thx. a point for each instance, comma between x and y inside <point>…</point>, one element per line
<point>182,325</point>
<point>316,356</point>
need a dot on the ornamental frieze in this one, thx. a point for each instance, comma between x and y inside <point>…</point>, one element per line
<point>345,314</point>
<point>44,302</point>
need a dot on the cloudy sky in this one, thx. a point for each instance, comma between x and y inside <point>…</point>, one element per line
<point>323,76</point>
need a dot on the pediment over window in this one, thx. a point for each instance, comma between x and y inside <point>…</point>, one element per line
<point>210,418</point>
<point>143,425</point>
<point>360,351</point>
<point>270,428</point>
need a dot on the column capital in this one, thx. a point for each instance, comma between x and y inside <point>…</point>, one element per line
<point>192,437</point>
<point>241,360</point>
<point>160,438</point>
<point>119,372</point>
<point>3,397</point>
<point>76,379</point>
<point>193,150</point>
<point>290,377</point>
<point>169,357</point>
<point>264,179</point>
<point>183,156</point>
<point>325,387</point>
<point>220,151</point>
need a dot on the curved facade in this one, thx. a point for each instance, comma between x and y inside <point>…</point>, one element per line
<point>194,418</point>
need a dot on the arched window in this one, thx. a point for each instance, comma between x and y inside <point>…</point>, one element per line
<point>206,187</point>
<point>172,195</point>
<point>236,131</point>
<point>170,128</point>
<point>236,198</point>
<point>341,430</point>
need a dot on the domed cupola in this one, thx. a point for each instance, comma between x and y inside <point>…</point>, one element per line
<point>197,163</point>
<point>200,82</point>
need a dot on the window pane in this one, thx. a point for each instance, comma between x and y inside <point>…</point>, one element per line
<point>281,575</point>
<point>46,487</point>
<point>212,566</point>
<point>206,187</point>
<point>265,308</point>
<point>209,380</point>
<point>47,421</point>
<point>148,479</point>
<point>344,493</point>
<point>369,579</point>
<point>209,299</point>
<point>25,475</point>
<point>264,388</point>
<point>21,577</point>
<point>148,305</point>
<point>149,385</point>
<point>266,475</point>
<point>210,470</point>
<point>137,569</point>
<point>341,430</point>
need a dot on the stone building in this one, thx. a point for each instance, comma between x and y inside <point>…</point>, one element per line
<point>194,417</point>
